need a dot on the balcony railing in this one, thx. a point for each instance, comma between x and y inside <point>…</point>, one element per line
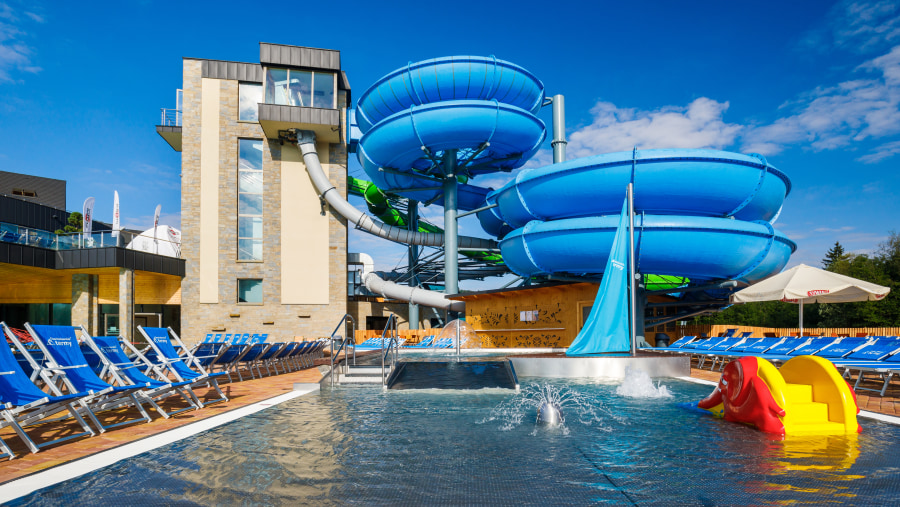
<point>10,233</point>
<point>170,117</point>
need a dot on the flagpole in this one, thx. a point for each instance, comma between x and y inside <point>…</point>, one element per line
<point>631,293</point>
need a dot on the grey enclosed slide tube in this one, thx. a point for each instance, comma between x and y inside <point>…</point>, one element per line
<point>306,142</point>
<point>406,293</point>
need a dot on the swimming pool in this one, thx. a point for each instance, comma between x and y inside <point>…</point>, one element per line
<point>366,446</point>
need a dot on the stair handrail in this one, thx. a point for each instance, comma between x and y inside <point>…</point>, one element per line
<point>391,326</point>
<point>347,337</point>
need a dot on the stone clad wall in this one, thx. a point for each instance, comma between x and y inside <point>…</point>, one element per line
<point>281,322</point>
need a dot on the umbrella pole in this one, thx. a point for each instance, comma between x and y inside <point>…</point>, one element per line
<point>801,317</point>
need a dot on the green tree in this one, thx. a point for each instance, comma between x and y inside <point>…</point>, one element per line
<point>74,223</point>
<point>835,254</point>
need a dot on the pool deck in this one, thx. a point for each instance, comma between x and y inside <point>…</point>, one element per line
<point>240,394</point>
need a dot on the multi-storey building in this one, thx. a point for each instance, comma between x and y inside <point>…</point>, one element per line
<point>263,253</point>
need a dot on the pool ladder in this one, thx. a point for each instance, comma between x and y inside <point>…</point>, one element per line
<point>346,374</point>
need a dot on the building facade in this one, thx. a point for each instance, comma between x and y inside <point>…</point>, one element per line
<point>263,253</point>
<point>96,281</point>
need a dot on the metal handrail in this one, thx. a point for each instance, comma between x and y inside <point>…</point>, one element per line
<point>170,117</point>
<point>351,337</point>
<point>393,346</point>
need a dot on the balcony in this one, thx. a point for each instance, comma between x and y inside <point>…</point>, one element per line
<point>170,127</point>
<point>33,247</point>
<point>326,123</point>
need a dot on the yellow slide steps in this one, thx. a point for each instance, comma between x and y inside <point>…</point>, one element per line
<point>815,398</point>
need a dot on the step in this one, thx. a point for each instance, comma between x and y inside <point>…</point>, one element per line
<point>362,370</point>
<point>822,428</point>
<point>366,379</point>
<point>798,393</point>
<point>807,413</point>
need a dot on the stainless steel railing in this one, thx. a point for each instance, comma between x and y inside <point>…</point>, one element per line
<point>393,346</point>
<point>344,340</point>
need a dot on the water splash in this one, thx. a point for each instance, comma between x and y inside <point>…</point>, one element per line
<point>468,338</point>
<point>574,406</point>
<point>638,384</point>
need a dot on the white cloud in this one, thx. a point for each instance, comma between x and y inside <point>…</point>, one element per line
<point>698,125</point>
<point>15,54</point>
<point>880,153</point>
<point>857,26</point>
<point>835,117</point>
<point>825,118</point>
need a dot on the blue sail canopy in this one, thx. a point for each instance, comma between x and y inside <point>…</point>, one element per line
<point>606,328</point>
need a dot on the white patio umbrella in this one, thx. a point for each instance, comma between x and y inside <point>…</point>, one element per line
<point>806,284</point>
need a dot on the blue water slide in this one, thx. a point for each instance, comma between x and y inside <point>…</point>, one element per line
<point>482,107</point>
<point>449,78</point>
<point>700,248</point>
<point>704,214</point>
<point>666,182</point>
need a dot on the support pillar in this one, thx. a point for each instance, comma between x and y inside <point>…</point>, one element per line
<point>451,249</point>
<point>126,303</point>
<point>84,301</point>
<point>559,129</point>
<point>413,225</point>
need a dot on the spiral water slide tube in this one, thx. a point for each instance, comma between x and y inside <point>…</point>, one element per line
<point>482,107</point>
<point>704,214</point>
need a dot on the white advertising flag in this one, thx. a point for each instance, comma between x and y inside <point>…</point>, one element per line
<point>156,224</point>
<point>115,230</point>
<point>87,216</point>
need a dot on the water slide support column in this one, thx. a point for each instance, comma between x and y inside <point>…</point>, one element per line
<point>632,282</point>
<point>451,250</point>
<point>559,129</point>
<point>413,224</point>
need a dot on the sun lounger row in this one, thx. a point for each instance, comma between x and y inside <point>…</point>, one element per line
<point>867,356</point>
<point>61,372</point>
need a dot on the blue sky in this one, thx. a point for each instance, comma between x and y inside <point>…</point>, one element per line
<point>815,86</point>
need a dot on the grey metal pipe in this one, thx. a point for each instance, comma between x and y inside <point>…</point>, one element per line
<point>451,251</point>
<point>559,129</point>
<point>413,294</point>
<point>412,208</point>
<point>306,142</point>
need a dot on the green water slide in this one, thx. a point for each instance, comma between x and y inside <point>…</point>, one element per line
<point>380,206</point>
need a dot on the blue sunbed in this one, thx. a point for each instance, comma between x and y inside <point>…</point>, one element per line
<point>22,404</point>
<point>67,365</point>
<point>125,371</point>
<point>159,340</point>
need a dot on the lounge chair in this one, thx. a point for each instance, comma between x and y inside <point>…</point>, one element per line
<point>674,347</point>
<point>426,342</point>
<point>442,343</point>
<point>159,340</point>
<point>22,404</point>
<point>66,365</point>
<point>711,348</point>
<point>750,347</point>
<point>249,359</point>
<point>125,371</point>
<point>266,358</point>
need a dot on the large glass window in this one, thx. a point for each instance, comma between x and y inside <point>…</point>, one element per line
<point>249,290</point>
<point>250,199</point>
<point>302,88</point>
<point>249,95</point>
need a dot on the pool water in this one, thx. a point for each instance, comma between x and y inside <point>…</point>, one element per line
<point>365,446</point>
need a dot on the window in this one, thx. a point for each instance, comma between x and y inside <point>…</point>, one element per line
<point>249,95</point>
<point>250,199</point>
<point>304,88</point>
<point>24,192</point>
<point>249,290</point>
